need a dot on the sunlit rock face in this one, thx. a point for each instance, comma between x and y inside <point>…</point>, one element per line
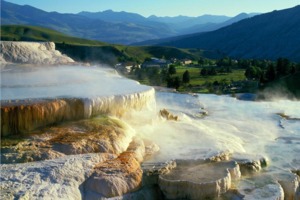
<point>21,117</point>
<point>120,176</point>
<point>97,175</point>
<point>261,187</point>
<point>32,53</point>
<point>116,177</point>
<point>250,164</point>
<point>97,135</point>
<point>34,97</point>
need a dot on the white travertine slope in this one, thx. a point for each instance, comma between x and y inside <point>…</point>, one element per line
<point>47,95</point>
<point>52,179</point>
<point>32,53</point>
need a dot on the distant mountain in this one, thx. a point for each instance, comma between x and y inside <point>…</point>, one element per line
<point>133,19</point>
<point>191,20</point>
<point>170,20</point>
<point>211,26</point>
<point>82,26</point>
<point>267,36</point>
<point>181,23</point>
<point>177,24</point>
<point>110,26</point>
<point>111,16</point>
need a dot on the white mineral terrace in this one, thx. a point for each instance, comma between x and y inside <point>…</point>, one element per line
<point>32,53</point>
<point>47,95</point>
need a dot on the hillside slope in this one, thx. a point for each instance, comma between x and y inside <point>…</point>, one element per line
<point>34,33</point>
<point>266,36</point>
<point>83,50</point>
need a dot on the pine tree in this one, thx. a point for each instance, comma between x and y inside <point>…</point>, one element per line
<point>172,70</point>
<point>270,73</point>
<point>186,77</point>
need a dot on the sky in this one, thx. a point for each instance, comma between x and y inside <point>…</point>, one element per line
<point>162,7</point>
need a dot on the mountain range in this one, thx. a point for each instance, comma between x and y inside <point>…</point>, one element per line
<point>260,36</point>
<point>266,36</point>
<point>113,27</point>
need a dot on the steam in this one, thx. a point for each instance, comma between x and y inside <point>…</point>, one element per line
<point>63,81</point>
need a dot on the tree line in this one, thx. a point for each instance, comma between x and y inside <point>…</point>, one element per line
<point>271,71</point>
<point>263,71</point>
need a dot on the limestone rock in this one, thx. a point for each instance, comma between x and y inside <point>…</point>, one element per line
<point>198,179</point>
<point>250,163</point>
<point>261,187</point>
<point>101,134</point>
<point>222,156</point>
<point>167,115</point>
<point>120,176</point>
<point>152,171</point>
<point>150,148</point>
<point>290,184</point>
<point>137,147</point>
<point>23,116</point>
<point>52,179</point>
<point>145,193</point>
<point>116,177</point>
<point>27,115</point>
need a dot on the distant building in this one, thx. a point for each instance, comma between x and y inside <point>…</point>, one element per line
<point>126,67</point>
<point>186,62</point>
<point>155,62</point>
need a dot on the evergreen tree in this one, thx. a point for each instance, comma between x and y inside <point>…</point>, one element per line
<point>270,73</point>
<point>186,77</point>
<point>172,69</point>
<point>201,61</point>
<point>203,72</point>
<point>173,82</point>
<point>253,72</point>
<point>283,66</point>
<point>170,82</point>
<point>164,75</point>
<point>177,82</point>
<point>212,71</point>
<point>293,69</point>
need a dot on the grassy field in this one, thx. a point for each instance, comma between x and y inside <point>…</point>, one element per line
<point>197,79</point>
<point>198,83</point>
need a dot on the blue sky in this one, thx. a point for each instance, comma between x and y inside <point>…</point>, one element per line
<point>162,7</point>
